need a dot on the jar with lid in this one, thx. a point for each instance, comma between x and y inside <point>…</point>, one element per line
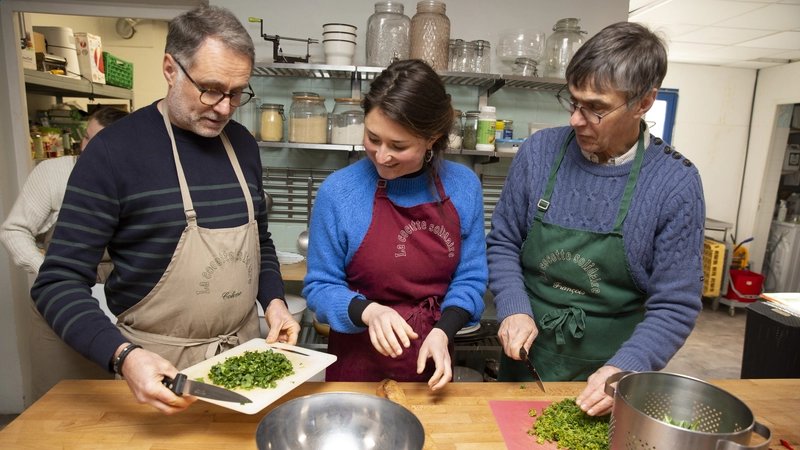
<point>470,130</point>
<point>508,129</point>
<point>388,34</point>
<point>482,55</point>
<point>347,122</point>
<point>487,122</point>
<point>498,129</point>
<point>272,119</point>
<point>38,146</point>
<point>308,120</point>
<point>247,115</point>
<point>525,67</point>
<point>560,46</point>
<point>454,138</point>
<point>430,34</point>
<point>463,57</point>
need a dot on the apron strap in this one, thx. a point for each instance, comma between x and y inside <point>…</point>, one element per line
<point>574,318</point>
<point>633,177</point>
<point>544,202</point>
<point>237,168</point>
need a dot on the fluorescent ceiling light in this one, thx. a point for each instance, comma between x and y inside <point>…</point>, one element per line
<point>649,6</point>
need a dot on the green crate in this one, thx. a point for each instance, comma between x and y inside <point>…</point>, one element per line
<point>118,72</point>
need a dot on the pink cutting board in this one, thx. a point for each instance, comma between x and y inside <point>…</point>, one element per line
<point>514,422</point>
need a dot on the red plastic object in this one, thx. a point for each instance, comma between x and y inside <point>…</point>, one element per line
<point>745,286</point>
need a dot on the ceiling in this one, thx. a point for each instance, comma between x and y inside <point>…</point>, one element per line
<point>752,34</point>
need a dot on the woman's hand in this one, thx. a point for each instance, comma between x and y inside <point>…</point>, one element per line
<point>593,400</point>
<point>517,331</point>
<point>435,347</point>
<point>387,330</point>
<point>282,326</point>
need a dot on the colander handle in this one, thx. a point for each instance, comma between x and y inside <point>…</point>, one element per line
<point>612,390</point>
<point>762,430</point>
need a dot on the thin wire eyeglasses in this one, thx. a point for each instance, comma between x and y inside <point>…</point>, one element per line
<point>213,97</point>
<point>590,116</point>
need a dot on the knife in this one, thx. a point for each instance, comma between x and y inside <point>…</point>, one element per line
<point>182,385</point>
<point>524,356</point>
<point>288,350</point>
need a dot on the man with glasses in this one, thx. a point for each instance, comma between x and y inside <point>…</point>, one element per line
<point>175,194</point>
<point>595,252</point>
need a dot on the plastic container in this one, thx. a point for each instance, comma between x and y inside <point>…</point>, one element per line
<point>430,34</point>
<point>781,211</point>
<point>388,34</point>
<point>347,122</point>
<point>487,122</point>
<point>745,286</point>
<point>713,267</point>
<point>560,46</point>
<point>308,120</point>
<point>272,119</point>
<point>470,130</point>
<point>118,72</point>
<point>499,128</point>
<point>454,139</point>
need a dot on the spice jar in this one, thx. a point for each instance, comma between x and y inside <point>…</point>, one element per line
<point>347,122</point>
<point>454,139</point>
<point>430,34</point>
<point>388,34</point>
<point>308,120</point>
<point>560,46</point>
<point>525,67</point>
<point>272,119</point>
<point>470,130</point>
<point>482,56</point>
<point>508,129</point>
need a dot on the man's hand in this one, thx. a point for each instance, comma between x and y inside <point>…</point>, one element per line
<point>387,330</point>
<point>282,326</point>
<point>593,400</point>
<point>144,371</point>
<point>435,347</point>
<point>517,331</point>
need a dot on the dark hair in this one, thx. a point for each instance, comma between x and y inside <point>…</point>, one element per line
<point>106,115</point>
<point>412,94</point>
<point>626,57</point>
<point>188,31</point>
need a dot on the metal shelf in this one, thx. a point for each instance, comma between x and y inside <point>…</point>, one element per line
<point>44,83</point>
<point>339,147</point>
<point>536,83</point>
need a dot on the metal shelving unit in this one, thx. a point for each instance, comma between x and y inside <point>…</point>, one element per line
<point>60,86</point>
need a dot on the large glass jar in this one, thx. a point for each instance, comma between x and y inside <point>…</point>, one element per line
<point>247,115</point>
<point>430,34</point>
<point>463,57</point>
<point>454,138</point>
<point>347,122</point>
<point>470,130</point>
<point>482,55</point>
<point>272,119</point>
<point>308,120</point>
<point>560,46</point>
<point>388,34</point>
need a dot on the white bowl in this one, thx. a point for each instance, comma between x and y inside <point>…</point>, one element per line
<point>297,306</point>
<point>338,35</point>
<point>338,52</point>
<point>342,27</point>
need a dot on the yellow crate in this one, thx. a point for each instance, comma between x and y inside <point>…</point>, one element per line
<point>713,267</point>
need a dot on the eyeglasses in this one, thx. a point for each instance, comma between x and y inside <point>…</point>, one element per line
<point>590,116</point>
<point>212,97</point>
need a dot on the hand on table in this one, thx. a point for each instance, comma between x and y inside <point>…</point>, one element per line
<point>387,330</point>
<point>282,326</point>
<point>435,347</point>
<point>517,331</point>
<point>143,371</point>
<point>593,400</point>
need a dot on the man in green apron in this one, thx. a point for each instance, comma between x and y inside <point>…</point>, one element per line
<point>595,253</point>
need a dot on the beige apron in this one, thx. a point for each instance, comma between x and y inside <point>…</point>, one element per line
<point>205,302</point>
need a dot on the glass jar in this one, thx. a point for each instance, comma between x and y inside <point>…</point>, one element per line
<point>508,129</point>
<point>450,51</point>
<point>308,120</point>
<point>247,115</point>
<point>470,130</point>
<point>430,34</point>
<point>347,122</point>
<point>525,67</point>
<point>388,34</point>
<point>482,55</point>
<point>272,119</point>
<point>463,58</point>
<point>454,138</point>
<point>560,46</point>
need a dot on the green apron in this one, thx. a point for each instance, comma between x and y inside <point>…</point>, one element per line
<point>581,290</point>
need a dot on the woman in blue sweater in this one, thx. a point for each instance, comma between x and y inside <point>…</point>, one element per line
<point>397,259</point>
<point>595,253</point>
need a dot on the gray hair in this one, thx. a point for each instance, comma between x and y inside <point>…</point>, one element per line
<point>625,57</point>
<point>188,31</point>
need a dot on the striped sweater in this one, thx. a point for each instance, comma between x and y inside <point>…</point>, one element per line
<point>123,194</point>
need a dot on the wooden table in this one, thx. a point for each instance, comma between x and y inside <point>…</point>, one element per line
<point>89,414</point>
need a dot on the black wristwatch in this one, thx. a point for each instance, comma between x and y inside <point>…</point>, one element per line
<point>120,359</point>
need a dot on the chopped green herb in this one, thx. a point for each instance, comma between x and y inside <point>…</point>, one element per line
<point>571,428</point>
<point>523,387</point>
<point>251,370</point>
<point>199,380</point>
<point>683,423</point>
<point>532,412</point>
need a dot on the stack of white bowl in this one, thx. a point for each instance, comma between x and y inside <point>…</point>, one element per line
<point>339,42</point>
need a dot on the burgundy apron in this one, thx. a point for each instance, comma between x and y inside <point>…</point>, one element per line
<point>406,261</point>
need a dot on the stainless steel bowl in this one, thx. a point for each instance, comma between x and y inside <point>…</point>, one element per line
<point>340,420</point>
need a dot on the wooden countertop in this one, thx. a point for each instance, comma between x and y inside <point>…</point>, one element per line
<point>88,414</point>
<point>294,272</point>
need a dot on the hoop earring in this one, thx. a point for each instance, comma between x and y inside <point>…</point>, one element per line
<point>429,155</point>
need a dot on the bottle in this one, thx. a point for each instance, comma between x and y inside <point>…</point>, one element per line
<point>454,139</point>
<point>347,122</point>
<point>308,120</point>
<point>388,34</point>
<point>470,130</point>
<point>781,211</point>
<point>560,46</point>
<point>487,122</point>
<point>793,205</point>
<point>430,34</point>
<point>272,118</point>
<point>38,147</point>
<point>498,129</point>
<point>508,129</point>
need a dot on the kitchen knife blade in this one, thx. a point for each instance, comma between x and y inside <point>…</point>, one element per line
<point>288,350</point>
<point>524,356</point>
<point>182,385</point>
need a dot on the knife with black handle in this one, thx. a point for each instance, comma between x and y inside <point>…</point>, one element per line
<point>182,385</point>
<point>524,356</point>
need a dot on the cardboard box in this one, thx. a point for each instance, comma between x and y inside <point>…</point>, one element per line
<point>90,57</point>
<point>39,45</point>
<point>25,30</point>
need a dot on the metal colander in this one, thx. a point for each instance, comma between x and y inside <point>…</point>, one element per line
<point>642,399</point>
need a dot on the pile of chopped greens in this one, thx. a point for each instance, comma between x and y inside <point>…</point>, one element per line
<point>683,423</point>
<point>571,428</point>
<point>251,370</point>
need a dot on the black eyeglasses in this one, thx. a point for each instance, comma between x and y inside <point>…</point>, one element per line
<point>212,97</point>
<point>588,114</point>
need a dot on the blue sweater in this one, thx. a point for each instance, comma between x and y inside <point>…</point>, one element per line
<point>662,234</point>
<point>123,194</point>
<point>342,214</point>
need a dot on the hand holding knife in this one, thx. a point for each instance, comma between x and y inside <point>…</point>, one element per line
<point>181,385</point>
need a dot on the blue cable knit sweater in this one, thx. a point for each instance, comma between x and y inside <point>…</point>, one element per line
<point>342,214</point>
<point>662,234</point>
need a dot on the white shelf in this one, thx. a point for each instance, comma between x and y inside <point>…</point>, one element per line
<point>45,83</point>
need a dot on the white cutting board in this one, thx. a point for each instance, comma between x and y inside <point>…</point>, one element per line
<point>305,367</point>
